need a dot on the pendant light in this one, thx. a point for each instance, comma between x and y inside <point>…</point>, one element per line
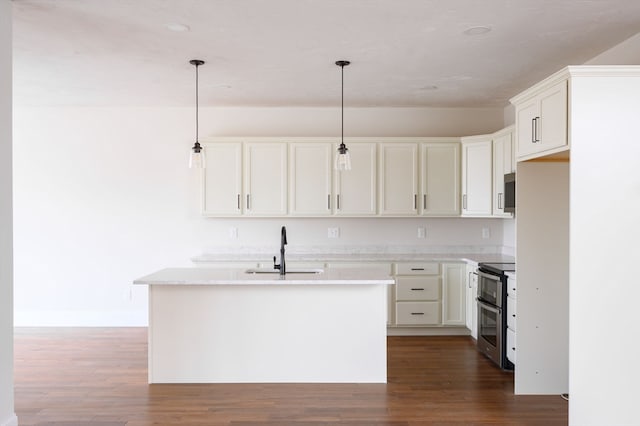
<point>196,159</point>
<point>343,159</point>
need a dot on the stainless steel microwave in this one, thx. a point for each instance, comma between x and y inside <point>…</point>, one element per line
<point>510,193</point>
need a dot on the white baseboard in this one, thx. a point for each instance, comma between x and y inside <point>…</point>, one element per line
<point>11,421</point>
<point>80,319</point>
<point>428,331</point>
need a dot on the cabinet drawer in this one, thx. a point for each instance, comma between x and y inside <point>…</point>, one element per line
<point>511,313</point>
<point>418,268</point>
<point>511,345</point>
<point>418,288</point>
<point>417,313</point>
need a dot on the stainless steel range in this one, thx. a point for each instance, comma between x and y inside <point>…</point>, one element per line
<point>492,311</point>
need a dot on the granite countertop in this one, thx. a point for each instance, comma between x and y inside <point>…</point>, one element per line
<point>355,254</point>
<point>239,276</point>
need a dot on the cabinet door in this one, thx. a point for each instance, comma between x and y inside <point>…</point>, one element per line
<point>355,190</point>
<point>552,126</point>
<point>502,164</point>
<point>476,178</point>
<point>222,182</point>
<point>265,179</point>
<point>439,179</point>
<point>471,317</point>
<point>310,179</point>
<point>541,123</point>
<point>453,294</point>
<point>398,179</point>
<point>525,127</point>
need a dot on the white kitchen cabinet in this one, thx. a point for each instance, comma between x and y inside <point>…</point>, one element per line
<point>477,175</point>
<point>439,179</point>
<point>265,179</point>
<point>222,183</point>
<point>310,179</point>
<point>355,190</point>
<point>471,319</point>
<point>398,171</point>
<point>454,293</point>
<point>541,120</point>
<point>418,294</point>
<point>503,163</point>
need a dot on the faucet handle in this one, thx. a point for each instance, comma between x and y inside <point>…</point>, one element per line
<point>274,263</point>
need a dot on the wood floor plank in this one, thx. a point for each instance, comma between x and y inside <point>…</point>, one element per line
<point>98,377</point>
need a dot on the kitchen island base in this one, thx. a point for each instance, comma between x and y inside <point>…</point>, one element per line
<point>256,333</point>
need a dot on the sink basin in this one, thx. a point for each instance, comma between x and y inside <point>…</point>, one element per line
<point>289,271</point>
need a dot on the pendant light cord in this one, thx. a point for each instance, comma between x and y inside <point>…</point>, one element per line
<point>197,112</point>
<point>342,106</point>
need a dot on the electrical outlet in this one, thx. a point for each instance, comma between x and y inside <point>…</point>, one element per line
<point>233,232</point>
<point>333,232</point>
<point>422,232</point>
<point>486,233</point>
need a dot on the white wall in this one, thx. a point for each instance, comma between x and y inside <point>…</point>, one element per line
<point>7,415</point>
<point>104,195</point>
<point>605,200</point>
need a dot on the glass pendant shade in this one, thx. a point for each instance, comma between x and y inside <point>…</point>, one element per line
<point>197,158</point>
<point>343,159</point>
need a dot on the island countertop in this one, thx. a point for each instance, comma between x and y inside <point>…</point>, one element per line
<point>240,276</point>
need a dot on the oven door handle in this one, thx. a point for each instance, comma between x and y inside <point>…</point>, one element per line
<point>489,276</point>
<point>488,307</point>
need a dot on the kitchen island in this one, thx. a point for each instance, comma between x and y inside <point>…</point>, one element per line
<point>225,325</point>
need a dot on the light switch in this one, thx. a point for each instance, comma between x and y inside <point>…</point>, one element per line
<point>422,232</point>
<point>333,232</point>
<point>233,232</point>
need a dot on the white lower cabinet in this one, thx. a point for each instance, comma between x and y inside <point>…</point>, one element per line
<point>454,293</point>
<point>511,318</point>
<point>471,320</point>
<point>430,294</point>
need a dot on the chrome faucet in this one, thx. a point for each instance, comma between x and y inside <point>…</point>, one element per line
<point>283,242</point>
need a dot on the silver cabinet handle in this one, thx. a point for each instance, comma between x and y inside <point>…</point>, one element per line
<point>417,313</point>
<point>248,203</point>
<point>415,201</point>
<point>328,201</point>
<point>338,201</point>
<point>424,201</point>
<point>238,201</point>
<point>464,201</point>
<point>499,200</point>
<point>417,269</point>
<point>418,289</point>
<point>533,130</point>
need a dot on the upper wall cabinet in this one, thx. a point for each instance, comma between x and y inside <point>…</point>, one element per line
<point>265,179</point>
<point>222,184</point>
<point>439,179</point>
<point>310,179</point>
<point>503,163</point>
<point>398,172</point>
<point>477,176</point>
<point>355,190</point>
<point>541,119</point>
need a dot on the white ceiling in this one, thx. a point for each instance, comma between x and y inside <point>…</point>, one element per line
<point>282,52</point>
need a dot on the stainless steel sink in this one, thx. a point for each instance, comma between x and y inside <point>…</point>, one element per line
<point>289,271</point>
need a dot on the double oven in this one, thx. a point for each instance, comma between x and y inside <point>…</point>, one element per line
<point>492,311</point>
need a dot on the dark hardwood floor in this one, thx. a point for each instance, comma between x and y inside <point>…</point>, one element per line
<point>98,376</point>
